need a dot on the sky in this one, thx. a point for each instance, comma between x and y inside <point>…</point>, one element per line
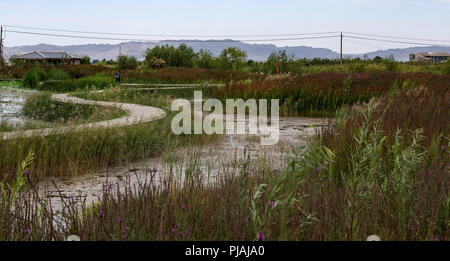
<point>428,19</point>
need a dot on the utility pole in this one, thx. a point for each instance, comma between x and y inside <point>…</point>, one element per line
<point>1,47</point>
<point>341,47</point>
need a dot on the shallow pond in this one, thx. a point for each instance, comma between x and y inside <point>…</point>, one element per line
<point>11,103</point>
<point>212,160</point>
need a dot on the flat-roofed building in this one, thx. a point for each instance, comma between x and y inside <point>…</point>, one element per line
<point>429,57</point>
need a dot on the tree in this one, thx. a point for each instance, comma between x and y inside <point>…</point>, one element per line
<point>282,58</point>
<point>377,59</point>
<point>205,59</point>
<point>183,56</point>
<point>127,62</point>
<point>232,58</point>
<point>85,60</point>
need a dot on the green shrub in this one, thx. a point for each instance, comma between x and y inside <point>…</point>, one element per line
<point>446,68</point>
<point>41,107</point>
<point>98,81</point>
<point>356,67</point>
<point>32,78</point>
<point>391,65</point>
<point>57,74</point>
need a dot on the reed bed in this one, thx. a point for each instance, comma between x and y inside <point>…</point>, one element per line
<point>382,167</point>
<point>323,94</point>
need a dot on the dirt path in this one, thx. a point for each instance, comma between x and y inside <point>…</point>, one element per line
<point>135,114</point>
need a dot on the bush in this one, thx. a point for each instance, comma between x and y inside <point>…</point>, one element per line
<point>98,81</point>
<point>127,62</point>
<point>41,107</point>
<point>446,68</point>
<point>356,67</point>
<point>86,60</point>
<point>57,74</point>
<point>391,65</point>
<point>33,77</point>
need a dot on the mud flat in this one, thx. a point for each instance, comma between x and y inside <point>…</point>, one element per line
<point>11,103</point>
<point>209,160</point>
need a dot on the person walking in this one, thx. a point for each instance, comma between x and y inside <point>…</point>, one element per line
<point>118,77</point>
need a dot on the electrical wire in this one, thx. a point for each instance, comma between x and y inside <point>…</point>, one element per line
<point>155,40</point>
<point>164,35</point>
<point>393,41</point>
<point>397,37</point>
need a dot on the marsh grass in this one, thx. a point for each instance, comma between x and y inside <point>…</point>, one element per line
<point>323,94</point>
<point>77,152</point>
<point>42,107</point>
<point>380,168</point>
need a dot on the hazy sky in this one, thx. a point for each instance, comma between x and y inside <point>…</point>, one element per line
<point>409,18</point>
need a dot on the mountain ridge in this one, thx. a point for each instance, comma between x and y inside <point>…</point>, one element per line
<point>258,52</point>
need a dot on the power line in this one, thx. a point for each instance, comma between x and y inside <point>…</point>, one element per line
<point>155,40</point>
<point>397,37</point>
<point>366,44</point>
<point>393,41</point>
<point>164,35</point>
<point>379,48</point>
<point>202,36</point>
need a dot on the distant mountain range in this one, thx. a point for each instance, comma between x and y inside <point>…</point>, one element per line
<point>257,52</point>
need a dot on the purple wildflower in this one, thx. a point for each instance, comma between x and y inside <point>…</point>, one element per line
<point>102,214</point>
<point>27,230</point>
<point>183,206</point>
<point>272,203</point>
<point>319,170</point>
<point>120,220</point>
<point>174,231</point>
<point>27,173</point>
<point>260,236</point>
<point>188,233</point>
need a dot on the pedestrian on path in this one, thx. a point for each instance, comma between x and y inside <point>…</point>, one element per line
<point>118,77</point>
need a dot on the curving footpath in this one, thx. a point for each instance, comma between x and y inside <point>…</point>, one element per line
<point>135,114</point>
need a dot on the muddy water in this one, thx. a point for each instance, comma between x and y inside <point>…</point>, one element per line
<point>11,103</point>
<point>210,160</point>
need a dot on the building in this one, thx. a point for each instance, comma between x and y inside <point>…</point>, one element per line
<point>429,57</point>
<point>49,57</point>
